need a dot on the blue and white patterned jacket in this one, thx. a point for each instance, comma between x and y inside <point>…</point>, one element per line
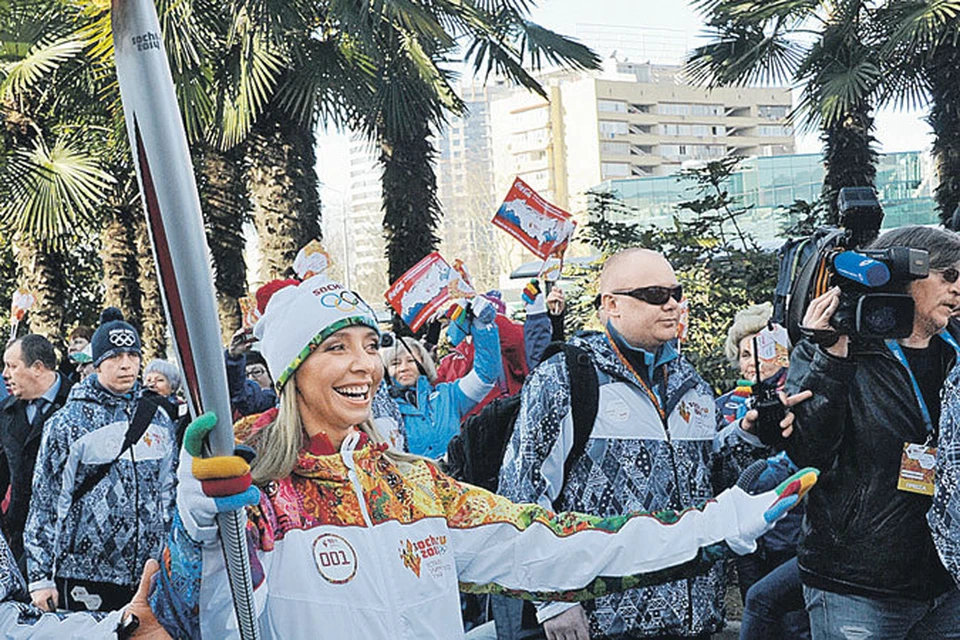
<point>109,533</point>
<point>944,514</point>
<point>632,462</point>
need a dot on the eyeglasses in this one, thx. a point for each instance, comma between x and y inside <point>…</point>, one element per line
<point>949,275</point>
<point>256,371</point>
<point>653,295</point>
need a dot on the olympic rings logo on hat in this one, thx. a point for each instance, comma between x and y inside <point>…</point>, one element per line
<point>341,300</point>
<point>123,338</point>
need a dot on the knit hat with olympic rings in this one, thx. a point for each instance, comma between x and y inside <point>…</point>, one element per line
<point>298,317</point>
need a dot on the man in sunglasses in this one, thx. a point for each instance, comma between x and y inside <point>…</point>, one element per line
<point>867,559</point>
<point>650,448</point>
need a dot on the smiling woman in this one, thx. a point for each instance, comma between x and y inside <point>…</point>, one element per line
<point>362,541</point>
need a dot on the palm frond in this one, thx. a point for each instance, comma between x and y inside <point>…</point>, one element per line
<point>43,59</point>
<point>49,192</point>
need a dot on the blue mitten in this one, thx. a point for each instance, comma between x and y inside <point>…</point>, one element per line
<point>208,486</point>
<point>483,312</point>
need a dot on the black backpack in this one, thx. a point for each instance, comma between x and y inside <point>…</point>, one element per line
<point>803,275</point>
<point>476,454</point>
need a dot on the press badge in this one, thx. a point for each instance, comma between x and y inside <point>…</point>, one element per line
<point>917,469</point>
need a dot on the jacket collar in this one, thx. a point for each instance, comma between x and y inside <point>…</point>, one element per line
<point>681,375</point>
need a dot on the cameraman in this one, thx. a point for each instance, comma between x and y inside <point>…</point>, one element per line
<point>867,560</point>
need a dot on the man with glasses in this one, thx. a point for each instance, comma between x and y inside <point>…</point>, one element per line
<point>650,448</point>
<point>251,387</point>
<point>867,560</point>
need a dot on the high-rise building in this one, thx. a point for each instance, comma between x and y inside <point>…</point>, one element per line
<point>629,120</point>
<point>363,233</point>
<point>467,192</point>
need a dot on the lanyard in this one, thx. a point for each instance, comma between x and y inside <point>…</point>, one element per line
<point>897,352</point>
<point>643,385</point>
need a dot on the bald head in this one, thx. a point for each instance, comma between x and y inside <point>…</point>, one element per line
<point>635,267</point>
<point>641,323</point>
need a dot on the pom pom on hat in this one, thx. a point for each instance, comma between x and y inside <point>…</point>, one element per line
<point>113,337</point>
<point>265,292</point>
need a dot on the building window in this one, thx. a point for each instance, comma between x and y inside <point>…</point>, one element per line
<point>773,111</point>
<point>610,128</point>
<point>774,130</point>
<point>612,106</point>
<point>693,130</point>
<point>683,109</point>
<point>615,148</point>
<point>614,169</point>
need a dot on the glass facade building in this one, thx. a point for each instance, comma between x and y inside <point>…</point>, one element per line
<point>768,184</point>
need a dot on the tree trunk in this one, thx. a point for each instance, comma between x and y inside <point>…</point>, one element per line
<point>849,157</point>
<point>283,185</point>
<point>153,321</point>
<point>41,273</point>
<point>411,211</point>
<point>225,206</point>
<point>119,254</point>
<point>943,72</point>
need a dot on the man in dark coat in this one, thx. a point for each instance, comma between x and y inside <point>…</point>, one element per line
<point>36,391</point>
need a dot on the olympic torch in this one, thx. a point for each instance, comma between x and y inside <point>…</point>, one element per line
<point>169,193</point>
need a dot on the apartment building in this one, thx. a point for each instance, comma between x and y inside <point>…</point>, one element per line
<point>630,120</point>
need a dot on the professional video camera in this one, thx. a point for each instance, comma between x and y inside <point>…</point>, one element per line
<point>872,283</point>
<point>873,303</point>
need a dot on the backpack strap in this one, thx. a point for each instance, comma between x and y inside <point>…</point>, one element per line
<point>584,400</point>
<point>142,417</point>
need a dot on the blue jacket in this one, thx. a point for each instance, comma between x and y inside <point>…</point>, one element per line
<point>247,398</point>
<point>633,461</point>
<point>109,533</point>
<point>431,414</point>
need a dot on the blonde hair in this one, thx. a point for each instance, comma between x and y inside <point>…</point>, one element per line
<point>389,354</point>
<point>746,323</point>
<point>279,443</point>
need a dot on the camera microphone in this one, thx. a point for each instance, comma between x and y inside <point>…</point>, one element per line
<point>862,269</point>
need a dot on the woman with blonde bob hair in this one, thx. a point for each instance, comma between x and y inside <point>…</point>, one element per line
<point>351,539</point>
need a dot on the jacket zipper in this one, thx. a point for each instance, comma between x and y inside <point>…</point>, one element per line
<point>664,418</point>
<point>346,453</point>
<point>136,507</point>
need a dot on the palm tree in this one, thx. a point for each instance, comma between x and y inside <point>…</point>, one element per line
<point>413,93</point>
<point>922,56</point>
<point>50,179</point>
<point>220,179</point>
<point>829,47</point>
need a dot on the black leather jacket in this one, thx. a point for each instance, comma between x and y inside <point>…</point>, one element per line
<point>861,535</point>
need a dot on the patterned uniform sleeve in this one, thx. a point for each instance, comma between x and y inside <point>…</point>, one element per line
<point>192,577</point>
<point>53,481</point>
<point>944,514</point>
<point>532,469</point>
<point>524,550</point>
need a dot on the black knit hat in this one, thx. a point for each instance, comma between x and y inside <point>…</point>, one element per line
<point>113,337</point>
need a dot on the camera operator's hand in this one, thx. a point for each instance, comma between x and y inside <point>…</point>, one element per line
<point>817,318</point>
<point>749,421</point>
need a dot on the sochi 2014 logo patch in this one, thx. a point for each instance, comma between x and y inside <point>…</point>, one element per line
<point>336,560</point>
<point>413,553</point>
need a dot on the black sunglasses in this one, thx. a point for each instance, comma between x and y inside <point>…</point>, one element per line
<point>653,295</point>
<point>950,275</point>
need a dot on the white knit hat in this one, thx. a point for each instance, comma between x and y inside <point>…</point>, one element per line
<point>298,318</point>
